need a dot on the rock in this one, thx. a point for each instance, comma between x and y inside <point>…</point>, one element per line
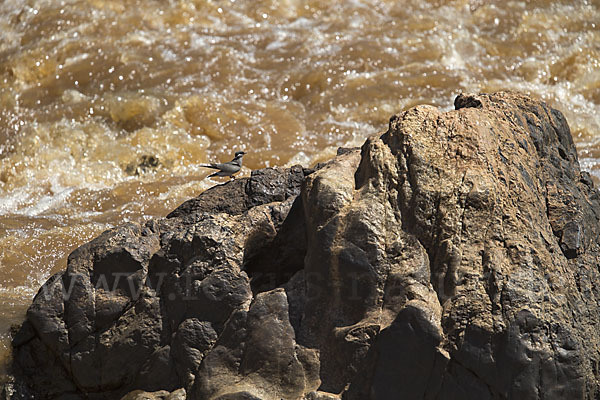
<point>453,256</point>
<point>318,395</point>
<point>494,196</point>
<point>192,340</point>
<point>178,394</point>
<point>141,306</point>
<point>264,186</point>
<point>257,356</point>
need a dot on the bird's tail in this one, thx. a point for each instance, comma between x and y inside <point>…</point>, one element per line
<point>208,166</point>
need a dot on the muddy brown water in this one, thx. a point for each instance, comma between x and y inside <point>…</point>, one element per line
<point>108,108</point>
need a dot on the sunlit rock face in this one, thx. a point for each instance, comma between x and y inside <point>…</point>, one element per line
<point>453,256</point>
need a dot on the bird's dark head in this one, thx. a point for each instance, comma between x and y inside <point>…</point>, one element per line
<point>239,154</point>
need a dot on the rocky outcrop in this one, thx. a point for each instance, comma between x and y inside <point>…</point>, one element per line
<point>454,256</point>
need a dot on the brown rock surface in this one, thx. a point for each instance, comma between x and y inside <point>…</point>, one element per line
<point>464,258</point>
<point>454,256</point>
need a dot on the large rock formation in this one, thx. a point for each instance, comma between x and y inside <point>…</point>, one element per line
<point>455,256</point>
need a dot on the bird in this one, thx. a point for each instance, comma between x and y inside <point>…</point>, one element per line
<point>228,168</point>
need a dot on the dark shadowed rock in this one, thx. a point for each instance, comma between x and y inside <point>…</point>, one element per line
<point>141,306</point>
<point>259,347</point>
<point>192,340</point>
<point>454,256</point>
<point>264,186</point>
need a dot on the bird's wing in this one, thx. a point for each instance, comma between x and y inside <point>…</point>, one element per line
<point>229,167</point>
<point>218,173</point>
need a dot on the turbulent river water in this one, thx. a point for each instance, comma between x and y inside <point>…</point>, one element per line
<point>108,108</point>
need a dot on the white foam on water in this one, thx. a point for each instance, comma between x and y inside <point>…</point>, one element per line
<point>13,201</point>
<point>47,203</point>
<point>300,158</point>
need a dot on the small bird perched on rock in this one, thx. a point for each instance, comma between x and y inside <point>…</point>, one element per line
<point>229,168</point>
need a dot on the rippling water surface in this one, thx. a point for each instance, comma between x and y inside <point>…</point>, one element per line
<point>107,108</point>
